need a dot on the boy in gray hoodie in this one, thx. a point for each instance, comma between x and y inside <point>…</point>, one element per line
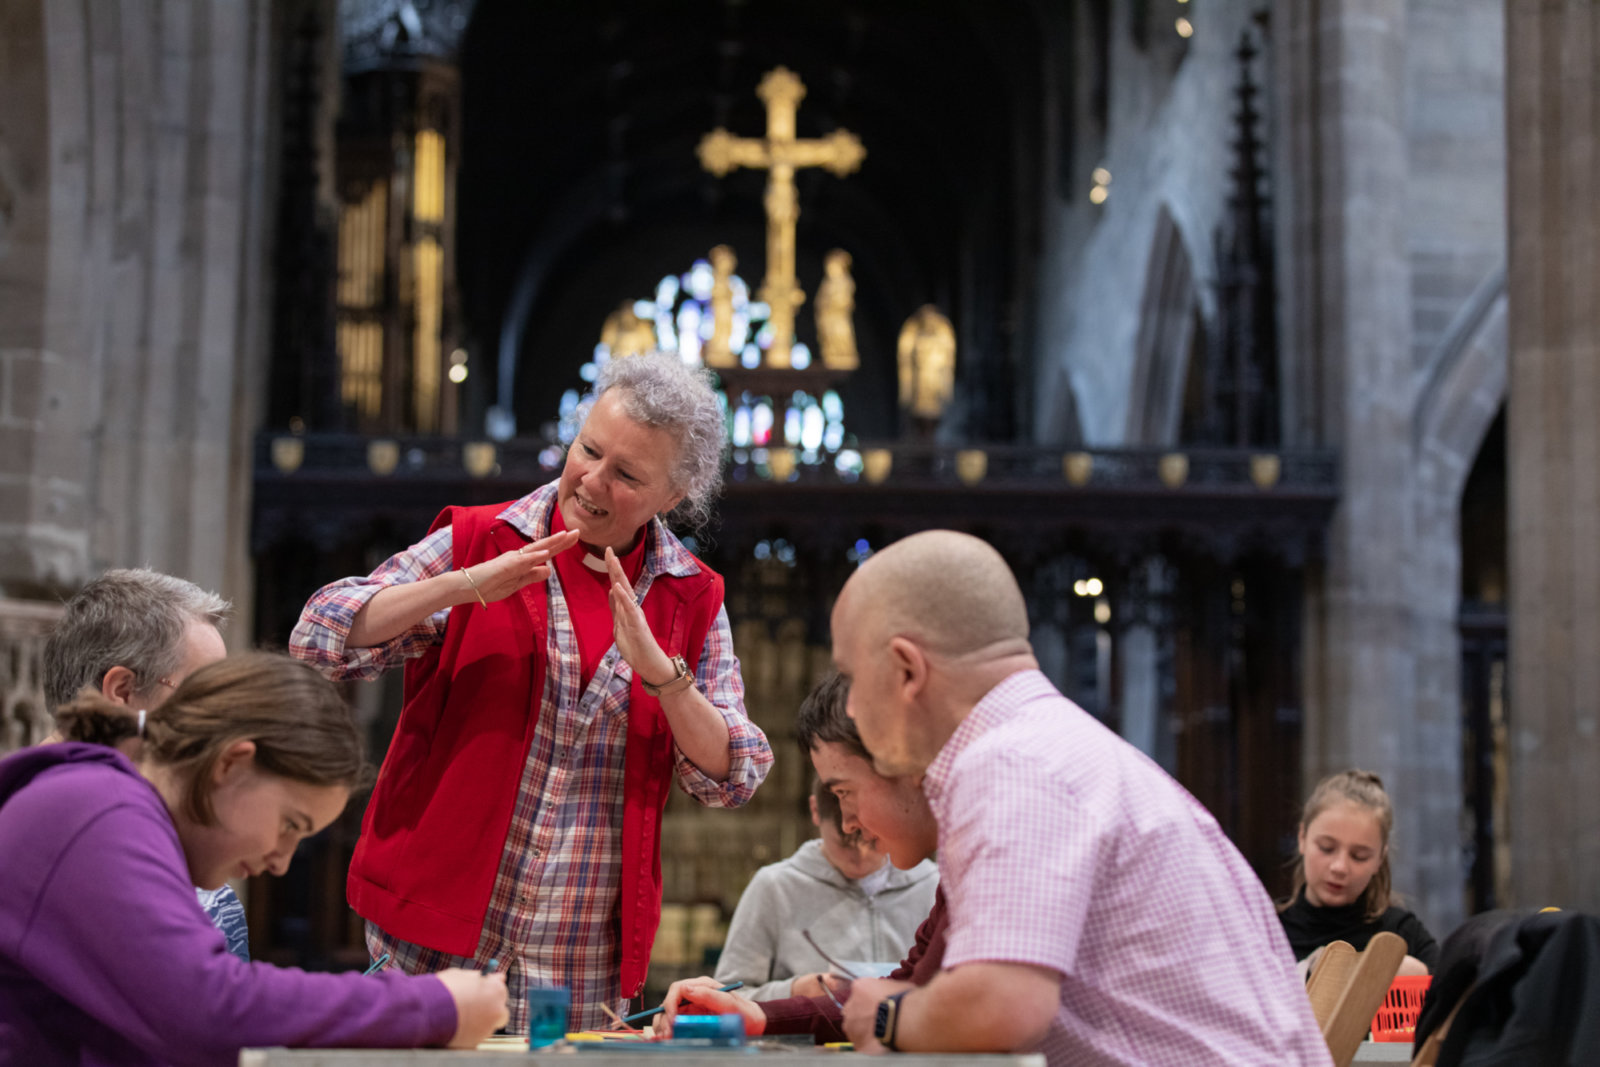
<point>858,907</point>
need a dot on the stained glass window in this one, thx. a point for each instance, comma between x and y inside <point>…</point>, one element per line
<point>681,316</point>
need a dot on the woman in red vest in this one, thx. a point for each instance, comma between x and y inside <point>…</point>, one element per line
<point>566,660</point>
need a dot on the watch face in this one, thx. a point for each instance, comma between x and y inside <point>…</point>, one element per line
<point>880,1026</point>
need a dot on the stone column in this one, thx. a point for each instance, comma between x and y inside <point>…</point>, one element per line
<point>1346,285</point>
<point>132,203</point>
<point>1553,129</point>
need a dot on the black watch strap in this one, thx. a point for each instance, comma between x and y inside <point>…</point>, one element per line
<point>887,1024</point>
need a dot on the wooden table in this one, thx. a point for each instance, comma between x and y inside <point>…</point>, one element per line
<point>508,1053</point>
<point>481,1057</point>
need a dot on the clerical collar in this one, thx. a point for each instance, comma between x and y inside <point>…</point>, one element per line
<point>632,562</point>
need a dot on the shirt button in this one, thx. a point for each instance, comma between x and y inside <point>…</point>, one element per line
<point>535,853</point>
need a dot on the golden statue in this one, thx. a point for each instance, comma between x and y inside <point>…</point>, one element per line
<point>716,352</point>
<point>781,153</point>
<point>836,299</point>
<point>626,334</point>
<point>927,363</point>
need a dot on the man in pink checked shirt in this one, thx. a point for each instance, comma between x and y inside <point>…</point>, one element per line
<point>1097,912</point>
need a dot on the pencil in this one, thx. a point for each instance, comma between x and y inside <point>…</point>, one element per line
<point>637,1016</point>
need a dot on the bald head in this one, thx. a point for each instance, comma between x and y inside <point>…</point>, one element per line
<point>950,591</point>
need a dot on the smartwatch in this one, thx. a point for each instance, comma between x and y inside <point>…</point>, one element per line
<point>888,1017</point>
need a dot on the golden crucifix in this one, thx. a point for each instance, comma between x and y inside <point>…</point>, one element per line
<point>781,153</point>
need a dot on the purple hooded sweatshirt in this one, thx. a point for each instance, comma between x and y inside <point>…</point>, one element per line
<point>107,958</point>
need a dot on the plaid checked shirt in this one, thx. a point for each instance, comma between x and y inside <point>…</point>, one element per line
<point>552,915</point>
<point>1062,846</point>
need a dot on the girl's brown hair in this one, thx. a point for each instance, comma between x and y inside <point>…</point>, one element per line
<point>302,729</point>
<point>1364,789</point>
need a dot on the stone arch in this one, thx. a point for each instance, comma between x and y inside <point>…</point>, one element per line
<point>1459,392</point>
<point>1166,332</point>
<point>1464,383</point>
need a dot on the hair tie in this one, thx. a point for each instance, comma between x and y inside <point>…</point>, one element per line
<point>142,714</point>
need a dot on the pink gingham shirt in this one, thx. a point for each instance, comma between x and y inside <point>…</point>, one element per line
<point>552,913</point>
<point>1062,846</point>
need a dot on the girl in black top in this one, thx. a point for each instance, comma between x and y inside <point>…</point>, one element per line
<point>1341,880</point>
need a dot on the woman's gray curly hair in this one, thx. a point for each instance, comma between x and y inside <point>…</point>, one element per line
<point>661,391</point>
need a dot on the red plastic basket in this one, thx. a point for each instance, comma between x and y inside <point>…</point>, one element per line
<point>1397,1018</point>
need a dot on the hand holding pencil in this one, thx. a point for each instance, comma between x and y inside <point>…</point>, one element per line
<point>707,996</point>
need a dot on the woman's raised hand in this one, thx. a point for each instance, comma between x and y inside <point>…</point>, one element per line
<point>635,643</point>
<point>480,1004</point>
<point>508,572</point>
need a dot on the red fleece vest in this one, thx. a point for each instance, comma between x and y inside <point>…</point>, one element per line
<point>431,841</point>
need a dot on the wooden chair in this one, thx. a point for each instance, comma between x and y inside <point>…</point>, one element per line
<point>1347,987</point>
<point>1428,1054</point>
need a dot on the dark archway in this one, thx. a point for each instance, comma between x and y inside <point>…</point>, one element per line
<point>580,187</point>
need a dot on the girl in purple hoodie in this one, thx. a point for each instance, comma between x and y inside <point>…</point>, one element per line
<point>105,955</point>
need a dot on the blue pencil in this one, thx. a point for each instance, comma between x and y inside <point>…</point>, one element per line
<point>638,1015</point>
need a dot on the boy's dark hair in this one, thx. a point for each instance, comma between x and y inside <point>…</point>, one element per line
<point>822,718</point>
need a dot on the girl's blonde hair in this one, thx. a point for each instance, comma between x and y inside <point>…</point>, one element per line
<point>302,728</point>
<point>1364,789</point>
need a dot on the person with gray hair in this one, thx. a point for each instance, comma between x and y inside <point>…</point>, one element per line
<point>133,635</point>
<point>567,660</point>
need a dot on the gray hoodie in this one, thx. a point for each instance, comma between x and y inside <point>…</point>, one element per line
<point>765,948</point>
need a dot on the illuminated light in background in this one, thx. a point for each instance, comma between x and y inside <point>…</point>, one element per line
<point>689,322</point>
<point>741,427</point>
<point>1184,27</point>
<point>1101,189</point>
<point>1102,611</point>
<point>800,356</point>
<point>812,425</point>
<point>667,291</point>
<point>761,424</point>
<point>700,279</point>
<point>458,373</point>
<point>1093,587</point>
<point>791,426</point>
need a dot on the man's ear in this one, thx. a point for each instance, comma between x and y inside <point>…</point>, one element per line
<point>235,759</point>
<point>910,666</point>
<point>816,820</point>
<point>118,685</point>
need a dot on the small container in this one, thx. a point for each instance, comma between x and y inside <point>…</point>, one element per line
<point>548,1007</point>
<point>1396,1020</point>
<point>722,1029</point>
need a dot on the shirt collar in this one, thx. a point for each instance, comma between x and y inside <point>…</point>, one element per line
<point>665,554</point>
<point>1007,699</point>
